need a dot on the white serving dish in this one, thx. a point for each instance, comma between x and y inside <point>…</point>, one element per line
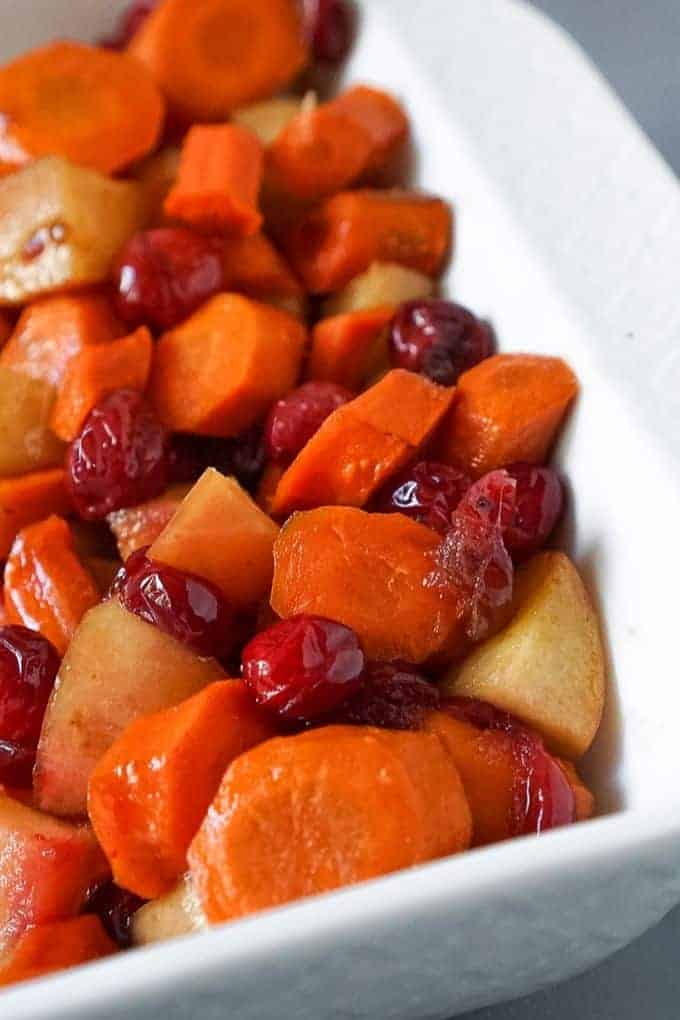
<point>569,240</point>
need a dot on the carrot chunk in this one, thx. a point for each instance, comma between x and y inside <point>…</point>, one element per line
<point>149,793</point>
<point>348,349</point>
<point>137,526</point>
<point>47,588</point>
<point>371,572</point>
<point>507,409</point>
<point>93,106</point>
<point>252,266</point>
<point>53,947</point>
<point>220,371</point>
<point>209,58</point>
<point>220,174</point>
<point>342,237</point>
<point>27,499</point>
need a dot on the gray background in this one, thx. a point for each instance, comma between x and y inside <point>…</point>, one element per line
<point>636,43</point>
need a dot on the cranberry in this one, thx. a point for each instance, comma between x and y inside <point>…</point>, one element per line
<point>392,695</point>
<point>162,276</point>
<point>304,667</point>
<point>28,667</point>
<point>293,420</point>
<point>120,458</point>
<point>115,908</point>
<point>330,28</point>
<point>248,456</point>
<point>439,339</point>
<point>187,607</point>
<point>426,492</point>
<point>129,24</point>
<point>243,456</point>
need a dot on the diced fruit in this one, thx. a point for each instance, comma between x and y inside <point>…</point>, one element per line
<point>547,665</point>
<point>62,226</point>
<point>29,498</point>
<point>117,668</point>
<point>138,526</point>
<point>220,534</point>
<point>26,442</point>
<point>56,946</point>
<point>152,788</point>
<point>341,563</point>
<point>330,27</point>
<point>350,349</point>
<point>392,695</point>
<point>304,667</point>
<point>426,492</point>
<point>383,283</point>
<point>156,175</point>
<point>267,487</point>
<point>177,913</point>
<point>268,118</point>
<point>438,338</point>
<point>120,458</point>
<point>28,667</point>
<point>116,909</point>
<point>295,418</point>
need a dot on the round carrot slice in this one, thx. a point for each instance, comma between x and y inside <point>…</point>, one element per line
<point>95,107</point>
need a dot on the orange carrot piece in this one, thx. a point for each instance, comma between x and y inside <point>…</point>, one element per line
<point>149,793</point>
<point>27,499</point>
<point>371,572</point>
<point>219,179</point>
<point>95,107</point>
<point>342,237</point>
<point>326,149</point>
<point>348,349</point>
<point>47,588</point>
<point>209,58</point>
<point>53,947</point>
<point>508,408</point>
<point>362,443</point>
<point>252,266</point>
<point>137,526</point>
<point>96,371</point>
<point>220,371</point>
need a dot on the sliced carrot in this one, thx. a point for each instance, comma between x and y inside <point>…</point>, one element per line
<point>371,572</point>
<point>149,793</point>
<point>327,148</point>
<point>53,947</point>
<point>53,330</point>
<point>220,534</point>
<point>209,58</point>
<point>137,526</point>
<point>220,371</point>
<point>342,237</point>
<point>47,588</point>
<point>253,266</point>
<point>362,443</point>
<point>348,349</point>
<point>96,371</point>
<point>95,107</point>
<point>27,499</point>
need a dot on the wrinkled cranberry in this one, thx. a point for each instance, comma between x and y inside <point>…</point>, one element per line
<point>426,492</point>
<point>115,908</point>
<point>293,420</point>
<point>243,456</point>
<point>134,564</point>
<point>162,276</point>
<point>28,667</point>
<point>248,456</point>
<point>439,339</point>
<point>120,458</point>
<point>330,29</point>
<point>493,497</point>
<point>392,695</point>
<point>129,24</point>
<point>304,667</point>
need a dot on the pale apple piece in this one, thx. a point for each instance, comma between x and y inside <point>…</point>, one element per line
<point>177,913</point>
<point>156,175</point>
<point>47,867</point>
<point>116,669</point>
<point>268,119</point>
<point>26,442</point>
<point>383,283</point>
<point>61,227</point>
<point>221,534</point>
<point>547,666</point>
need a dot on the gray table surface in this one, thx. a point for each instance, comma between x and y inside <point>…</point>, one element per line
<point>636,43</point>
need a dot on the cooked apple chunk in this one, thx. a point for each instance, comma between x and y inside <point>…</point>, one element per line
<point>177,913</point>
<point>547,666</point>
<point>26,442</point>
<point>384,283</point>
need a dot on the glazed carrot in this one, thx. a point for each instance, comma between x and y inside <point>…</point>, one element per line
<point>219,179</point>
<point>363,443</point>
<point>508,408</point>
<point>149,793</point>
<point>56,946</point>
<point>95,107</point>
<point>53,330</point>
<point>209,58</point>
<point>371,572</point>
<point>344,235</point>
<point>220,534</point>
<point>253,266</point>
<point>348,349</point>
<point>27,499</point>
<point>47,588</point>
<point>137,526</point>
<point>220,371</point>
<point>327,148</point>
<point>96,371</point>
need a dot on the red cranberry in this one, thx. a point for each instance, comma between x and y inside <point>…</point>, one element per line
<point>426,492</point>
<point>392,695</point>
<point>120,458</point>
<point>243,456</point>
<point>115,908</point>
<point>129,24</point>
<point>162,276</point>
<point>439,339</point>
<point>330,28</point>
<point>293,420</point>
<point>304,667</point>
<point>134,564</point>
<point>28,667</point>
<point>248,456</point>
